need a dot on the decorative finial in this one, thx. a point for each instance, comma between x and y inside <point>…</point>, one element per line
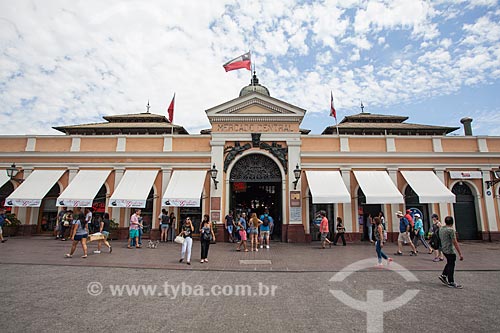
<point>147,107</point>
<point>255,80</point>
<point>362,107</point>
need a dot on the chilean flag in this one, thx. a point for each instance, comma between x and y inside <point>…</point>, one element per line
<point>243,61</point>
<point>333,113</point>
<point>171,110</point>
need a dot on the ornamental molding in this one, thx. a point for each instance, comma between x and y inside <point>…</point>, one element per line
<point>256,101</point>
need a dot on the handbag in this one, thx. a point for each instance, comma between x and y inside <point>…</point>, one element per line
<point>179,239</point>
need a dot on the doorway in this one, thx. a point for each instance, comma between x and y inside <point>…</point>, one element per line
<point>255,184</point>
<point>465,212</point>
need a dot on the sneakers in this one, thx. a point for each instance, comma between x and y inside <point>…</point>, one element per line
<point>267,246</point>
<point>443,279</point>
<point>262,246</point>
<point>181,260</point>
<point>67,255</point>
<point>97,252</point>
<point>398,253</point>
<point>455,285</point>
<point>413,253</point>
<point>389,260</point>
<point>435,259</point>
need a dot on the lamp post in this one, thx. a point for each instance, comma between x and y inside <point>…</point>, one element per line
<point>492,182</point>
<point>213,175</point>
<point>12,172</point>
<point>297,172</point>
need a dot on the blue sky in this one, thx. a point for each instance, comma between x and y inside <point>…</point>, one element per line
<point>72,62</point>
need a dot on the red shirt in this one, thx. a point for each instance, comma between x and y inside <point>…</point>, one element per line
<point>323,227</point>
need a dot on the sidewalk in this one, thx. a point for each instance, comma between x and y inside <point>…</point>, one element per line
<point>281,257</point>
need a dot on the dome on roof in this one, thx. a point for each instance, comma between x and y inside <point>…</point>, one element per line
<point>254,86</point>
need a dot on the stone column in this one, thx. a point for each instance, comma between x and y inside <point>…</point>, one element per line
<point>115,211</point>
<point>347,211</point>
<point>443,207</point>
<point>489,222</point>
<point>393,173</point>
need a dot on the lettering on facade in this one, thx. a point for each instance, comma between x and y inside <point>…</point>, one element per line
<point>263,128</point>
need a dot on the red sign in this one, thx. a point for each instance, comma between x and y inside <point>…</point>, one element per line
<point>99,207</point>
<point>240,186</point>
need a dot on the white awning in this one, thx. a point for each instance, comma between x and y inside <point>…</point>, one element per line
<point>184,188</point>
<point>32,191</point>
<point>428,187</point>
<point>83,188</point>
<point>133,189</point>
<point>378,187</point>
<point>327,187</point>
<point>3,177</point>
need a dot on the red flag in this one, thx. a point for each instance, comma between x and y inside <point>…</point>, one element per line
<point>171,110</point>
<point>333,113</point>
<point>243,61</point>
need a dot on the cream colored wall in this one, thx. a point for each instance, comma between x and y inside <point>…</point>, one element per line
<point>144,144</point>
<point>194,144</point>
<point>318,144</point>
<point>98,144</point>
<point>493,144</point>
<point>53,144</point>
<point>13,144</point>
<point>367,144</point>
<point>413,144</point>
<point>460,144</point>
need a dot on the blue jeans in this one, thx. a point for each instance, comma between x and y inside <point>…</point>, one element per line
<point>380,253</point>
<point>140,238</point>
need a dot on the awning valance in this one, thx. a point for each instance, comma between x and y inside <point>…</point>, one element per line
<point>378,187</point>
<point>133,189</point>
<point>327,187</point>
<point>83,188</point>
<point>184,188</point>
<point>32,191</point>
<point>428,187</point>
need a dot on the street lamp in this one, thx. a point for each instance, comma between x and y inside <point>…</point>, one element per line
<point>12,172</point>
<point>213,175</point>
<point>492,182</point>
<point>297,172</point>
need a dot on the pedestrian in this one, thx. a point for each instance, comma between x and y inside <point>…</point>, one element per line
<point>265,229</point>
<point>448,239</point>
<point>88,219</point>
<point>141,232</point>
<point>419,233</point>
<point>79,234</point>
<point>404,229</point>
<point>412,224</point>
<point>254,232</point>
<point>164,221</point>
<point>187,231</point>
<point>379,237</point>
<point>172,220</point>
<point>370,226</point>
<point>104,229</point>
<point>206,236</point>
<point>382,221</point>
<point>324,230</point>
<point>340,232</point>
<point>242,229</point>
<point>133,232</point>
<point>3,220</point>
<point>436,224</point>
<point>59,224</point>
<point>229,224</point>
<point>66,222</point>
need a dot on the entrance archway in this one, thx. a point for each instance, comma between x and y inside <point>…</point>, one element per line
<point>255,184</point>
<point>412,201</point>
<point>364,212</point>
<point>48,211</point>
<point>465,212</point>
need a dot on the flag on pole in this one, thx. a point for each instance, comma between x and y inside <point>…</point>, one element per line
<point>171,110</point>
<point>243,61</point>
<point>333,113</point>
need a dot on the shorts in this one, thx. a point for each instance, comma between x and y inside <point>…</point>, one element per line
<point>230,229</point>
<point>133,233</point>
<point>80,237</point>
<point>254,231</point>
<point>243,235</point>
<point>403,237</point>
<point>323,235</point>
<point>106,234</point>
<point>165,226</point>
<point>264,233</point>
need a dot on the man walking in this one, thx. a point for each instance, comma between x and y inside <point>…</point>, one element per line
<point>448,241</point>
<point>265,228</point>
<point>404,229</point>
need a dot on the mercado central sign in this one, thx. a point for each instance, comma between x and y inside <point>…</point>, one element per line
<point>255,127</point>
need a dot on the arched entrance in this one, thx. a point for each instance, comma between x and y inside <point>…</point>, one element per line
<point>413,202</point>
<point>364,211</point>
<point>255,184</point>
<point>465,212</point>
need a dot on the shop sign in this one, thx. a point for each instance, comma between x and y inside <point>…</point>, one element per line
<point>75,203</point>
<point>128,203</point>
<point>182,202</point>
<point>466,175</point>
<point>23,202</point>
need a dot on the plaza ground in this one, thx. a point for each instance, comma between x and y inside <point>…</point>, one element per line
<point>42,291</point>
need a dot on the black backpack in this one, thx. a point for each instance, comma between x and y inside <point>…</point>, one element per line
<point>265,222</point>
<point>435,240</point>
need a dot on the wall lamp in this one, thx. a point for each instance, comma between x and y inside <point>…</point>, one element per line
<point>297,172</point>
<point>213,175</point>
<point>492,182</point>
<point>12,172</point>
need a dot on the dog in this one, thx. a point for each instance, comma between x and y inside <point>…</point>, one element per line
<point>153,245</point>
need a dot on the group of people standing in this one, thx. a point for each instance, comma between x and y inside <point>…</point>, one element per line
<point>259,229</point>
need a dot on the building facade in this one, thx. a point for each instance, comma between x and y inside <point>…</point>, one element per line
<point>366,165</point>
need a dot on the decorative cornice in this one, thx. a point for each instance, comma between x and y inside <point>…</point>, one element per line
<point>267,105</point>
<point>255,119</point>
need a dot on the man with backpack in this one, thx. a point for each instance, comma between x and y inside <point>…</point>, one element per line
<point>404,229</point>
<point>265,228</point>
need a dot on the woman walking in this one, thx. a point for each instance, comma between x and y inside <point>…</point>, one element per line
<point>419,233</point>
<point>164,224</point>
<point>379,236</point>
<point>340,232</point>
<point>79,234</point>
<point>104,229</point>
<point>436,225</point>
<point>206,236</point>
<point>187,231</point>
<point>382,221</point>
<point>254,232</point>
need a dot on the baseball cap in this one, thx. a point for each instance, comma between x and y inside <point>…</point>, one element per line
<point>399,213</point>
<point>417,215</point>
